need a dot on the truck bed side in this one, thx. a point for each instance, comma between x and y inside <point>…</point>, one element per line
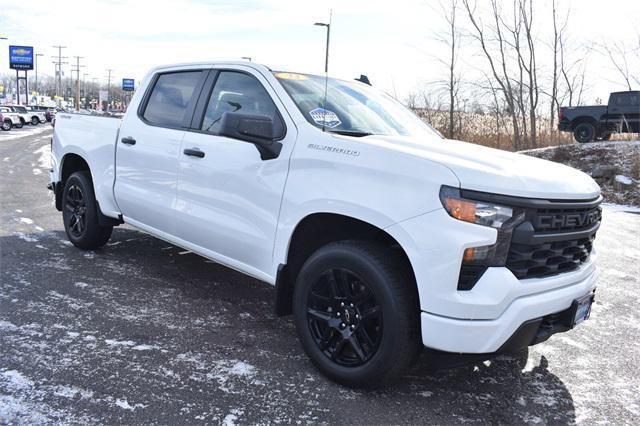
<point>93,138</point>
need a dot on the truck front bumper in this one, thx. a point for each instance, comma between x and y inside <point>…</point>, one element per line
<point>527,321</point>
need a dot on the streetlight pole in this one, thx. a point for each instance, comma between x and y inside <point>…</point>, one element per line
<point>37,92</point>
<point>326,55</point>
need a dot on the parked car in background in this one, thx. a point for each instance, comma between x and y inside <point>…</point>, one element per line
<point>598,122</point>
<point>50,114</point>
<point>36,112</point>
<point>42,109</point>
<point>26,115</point>
<point>9,119</point>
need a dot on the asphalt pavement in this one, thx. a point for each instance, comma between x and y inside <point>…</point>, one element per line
<point>143,332</point>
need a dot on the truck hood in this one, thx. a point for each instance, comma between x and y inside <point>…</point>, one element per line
<point>496,171</point>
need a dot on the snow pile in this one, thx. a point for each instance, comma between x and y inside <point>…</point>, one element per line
<point>614,165</point>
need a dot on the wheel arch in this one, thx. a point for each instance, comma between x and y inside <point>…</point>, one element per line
<point>583,119</point>
<point>69,164</point>
<point>316,230</point>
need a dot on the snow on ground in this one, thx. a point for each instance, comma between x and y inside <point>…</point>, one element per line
<point>27,130</point>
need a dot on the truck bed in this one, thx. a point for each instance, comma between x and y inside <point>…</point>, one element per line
<point>94,138</point>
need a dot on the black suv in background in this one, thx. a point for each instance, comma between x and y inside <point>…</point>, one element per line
<point>590,123</point>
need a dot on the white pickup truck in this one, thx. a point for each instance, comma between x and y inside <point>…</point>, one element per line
<point>380,236</point>
<point>9,119</point>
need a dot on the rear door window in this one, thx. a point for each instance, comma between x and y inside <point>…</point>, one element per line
<point>170,97</point>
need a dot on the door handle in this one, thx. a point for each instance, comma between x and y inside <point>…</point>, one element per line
<point>128,140</point>
<point>194,153</point>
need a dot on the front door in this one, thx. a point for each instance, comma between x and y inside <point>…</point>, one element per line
<point>228,197</point>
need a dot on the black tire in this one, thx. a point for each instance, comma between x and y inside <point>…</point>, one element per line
<point>35,121</point>
<point>80,213</point>
<point>6,125</point>
<point>584,132</point>
<point>356,313</point>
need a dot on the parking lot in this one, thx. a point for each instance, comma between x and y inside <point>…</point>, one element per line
<point>145,332</point>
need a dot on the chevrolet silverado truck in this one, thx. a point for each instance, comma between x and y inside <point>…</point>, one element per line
<point>380,236</point>
<point>591,123</point>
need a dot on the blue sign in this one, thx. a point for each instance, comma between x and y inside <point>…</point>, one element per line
<point>128,84</point>
<point>21,57</point>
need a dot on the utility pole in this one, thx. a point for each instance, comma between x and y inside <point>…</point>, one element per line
<point>109,87</point>
<point>77,70</point>
<point>59,64</point>
<point>84,86</point>
<point>37,92</point>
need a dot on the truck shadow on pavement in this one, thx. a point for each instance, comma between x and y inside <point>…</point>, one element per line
<point>174,338</point>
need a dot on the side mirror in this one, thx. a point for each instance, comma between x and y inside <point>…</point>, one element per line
<point>259,130</point>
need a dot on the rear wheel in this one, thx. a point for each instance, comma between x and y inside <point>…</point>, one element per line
<point>356,313</point>
<point>19,124</point>
<point>584,132</point>
<point>80,213</point>
<point>35,121</point>
<point>6,125</point>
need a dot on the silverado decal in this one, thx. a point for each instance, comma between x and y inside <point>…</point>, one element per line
<point>334,149</point>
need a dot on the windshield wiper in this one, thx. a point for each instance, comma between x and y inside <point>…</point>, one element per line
<point>354,133</point>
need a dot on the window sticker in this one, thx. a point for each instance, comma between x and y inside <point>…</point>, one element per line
<point>291,76</point>
<point>325,118</point>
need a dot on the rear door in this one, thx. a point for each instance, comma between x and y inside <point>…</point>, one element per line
<point>148,149</point>
<point>229,197</point>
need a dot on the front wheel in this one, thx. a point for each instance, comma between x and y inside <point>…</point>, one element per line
<point>80,213</point>
<point>19,124</point>
<point>6,125</point>
<point>356,313</point>
<point>584,132</point>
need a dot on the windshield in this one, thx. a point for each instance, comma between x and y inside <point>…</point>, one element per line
<point>351,107</point>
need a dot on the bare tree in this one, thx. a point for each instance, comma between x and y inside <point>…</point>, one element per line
<point>618,53</point>
<point>530,67</point>
<point>499,71</point>
<point>454,81</point>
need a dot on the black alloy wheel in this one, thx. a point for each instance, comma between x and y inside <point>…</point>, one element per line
<point>584,132</point>
<point>356,311</point>
<point>80,213</point>
<point>344,318</point>
<point>76,211</point>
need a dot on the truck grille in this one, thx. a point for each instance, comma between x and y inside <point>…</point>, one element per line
<point>539,260</point>
<point>553,240</point>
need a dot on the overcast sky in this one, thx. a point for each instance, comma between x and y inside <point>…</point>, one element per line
<point>393,42</point>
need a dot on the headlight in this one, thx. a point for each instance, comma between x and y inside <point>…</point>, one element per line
<point>479,212</point>
<point>502,218</point>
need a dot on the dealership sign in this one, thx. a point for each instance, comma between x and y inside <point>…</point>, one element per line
<point>21,57</point>
<point>128,84</point>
